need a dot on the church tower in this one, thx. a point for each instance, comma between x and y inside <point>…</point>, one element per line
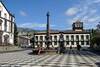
<point>77,26</point>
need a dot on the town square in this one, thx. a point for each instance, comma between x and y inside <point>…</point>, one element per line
<point>49,33</point>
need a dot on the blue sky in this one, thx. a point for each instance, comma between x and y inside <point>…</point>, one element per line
<point>32,13</point>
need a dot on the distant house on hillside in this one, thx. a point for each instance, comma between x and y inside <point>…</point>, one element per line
<point>7,21</point>
<point>24,38</point>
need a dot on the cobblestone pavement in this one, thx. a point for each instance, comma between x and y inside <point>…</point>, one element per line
<point>70,59</point>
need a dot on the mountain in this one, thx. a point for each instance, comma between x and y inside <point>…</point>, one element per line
<point>31,30</point>
<point>25,29</point>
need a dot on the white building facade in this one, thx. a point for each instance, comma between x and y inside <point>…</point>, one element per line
<point>7,21</point>
<point>71,37</point>
<point>24,39</point>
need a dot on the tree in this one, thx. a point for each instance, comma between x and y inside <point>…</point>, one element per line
<point>95,38</point>
<point>15,35</point>
<point>98,26</point>
<point>32,40</point>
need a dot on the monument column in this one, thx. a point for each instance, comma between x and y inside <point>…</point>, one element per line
<point>48,31</point>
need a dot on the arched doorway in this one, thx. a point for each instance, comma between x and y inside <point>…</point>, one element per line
<point>6,38</point>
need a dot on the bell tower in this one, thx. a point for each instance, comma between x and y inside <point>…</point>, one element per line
<point>77,26</point>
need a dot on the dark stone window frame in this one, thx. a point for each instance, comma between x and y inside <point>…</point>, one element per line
<point>0,13</point>
<point>77,37</point>
<point>5,25</point>
<point>55,42</point>
<point>87,37</point>
<point>41,38</point>
<point>67,42</point>
<point>72,42</point>
<point>55,38</point>
<point>82,37</point>
<point>67,38</point>
<point>72,37</point>
<point>82,43</point>
<point>87,42</point>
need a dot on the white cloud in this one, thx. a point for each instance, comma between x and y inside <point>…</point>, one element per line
<point>94,19</point>
<point>34,25</point>
<point>25,25</point>
<point>87,13</point>
<point>72,11</point>
<point>23,13</point>
<point>96,1</point>
<point>93,2</point>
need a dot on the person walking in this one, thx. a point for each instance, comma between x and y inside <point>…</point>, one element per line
<point>39,49</point>
<point>70,47</point>
<point>78,47</point>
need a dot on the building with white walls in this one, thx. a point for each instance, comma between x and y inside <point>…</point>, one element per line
<point>78,35</point>
<point>7,21</point>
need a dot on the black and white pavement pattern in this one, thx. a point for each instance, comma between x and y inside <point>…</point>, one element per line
<point>72,58</point>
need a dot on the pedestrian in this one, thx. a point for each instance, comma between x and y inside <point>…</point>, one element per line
<point>70,47</point>
<point>39,49</point>
<point>78,47</point>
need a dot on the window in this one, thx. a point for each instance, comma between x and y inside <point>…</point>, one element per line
<point>82,42</point>
<point>72,37</point>
<point>51,38</point>
<point>55,38</point>
<point>72,42</point>
<point>11,19</point>
<point>45,42</point>
<point>5,15</point>
<point>67,42</point>
<point>67,37</point>
<point>77,25</point>
<point>41,43</point>
<point>36,43</point>
<point>55,42</point>
<point>77,37</point>
<point>11,27</point>
<point>0,25</point>
<point>77,43</point>
<point>81,24</point>
<point>45,37</point>
<point>41,37</point>
<point>5,25</point>
<point>36,38</point>
<point>87,42</point>
<point>87,36</point>
<point>0,13</point>
<point>50,43</point>
<point>82,37</point>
